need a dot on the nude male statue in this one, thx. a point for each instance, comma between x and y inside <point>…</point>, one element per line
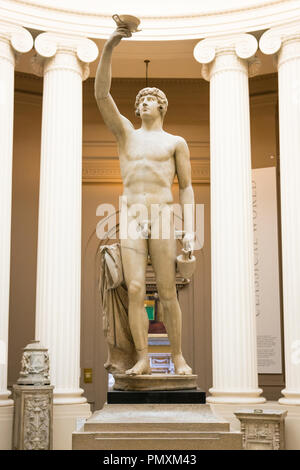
<point>149,160</point>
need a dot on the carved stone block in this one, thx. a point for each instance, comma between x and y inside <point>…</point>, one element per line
<point>33,417</point>
<point>262,429</point>
<point>34,365</point>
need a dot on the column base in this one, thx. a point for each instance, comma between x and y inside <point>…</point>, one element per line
<point>4,400</point>
<point>6,425</point>
<point>244,396</point>
<point>290,398</point>
<point>68,396</point>
<point>65,418</point>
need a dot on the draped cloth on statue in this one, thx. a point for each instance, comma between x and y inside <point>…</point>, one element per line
<point>114,300</point>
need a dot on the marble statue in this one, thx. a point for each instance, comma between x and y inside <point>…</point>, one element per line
<point>149,160</point>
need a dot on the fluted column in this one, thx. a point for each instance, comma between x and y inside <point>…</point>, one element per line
<point>226,66</point>
<point>285,41</point>
<point>63,61</point>
<point>13,41</point>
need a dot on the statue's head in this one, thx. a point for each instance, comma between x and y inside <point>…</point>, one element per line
<point>157,94</point>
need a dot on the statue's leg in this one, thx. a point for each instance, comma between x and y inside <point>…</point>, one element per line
<point>163,257</point>
<point>134,259</point>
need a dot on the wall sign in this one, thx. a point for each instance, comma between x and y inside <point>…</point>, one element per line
<point>266,271</point>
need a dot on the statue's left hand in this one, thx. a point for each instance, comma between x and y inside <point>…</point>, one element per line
<point>188,242</point>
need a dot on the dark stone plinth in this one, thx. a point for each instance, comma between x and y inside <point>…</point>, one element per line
<point>134,397</point>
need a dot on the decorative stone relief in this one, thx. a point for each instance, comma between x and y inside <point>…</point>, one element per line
<point>33,417</point>
<point>34,365</point>
<point>33,397</point>
<point>262,429</point>
<point>36,422</point>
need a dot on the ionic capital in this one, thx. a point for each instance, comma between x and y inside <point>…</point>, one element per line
<point>233,51</point>
<point>59,51</point>
<point>14,40</point>
<point>272,41</point>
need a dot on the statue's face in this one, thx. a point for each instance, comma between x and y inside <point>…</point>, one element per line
<point>149,107</point>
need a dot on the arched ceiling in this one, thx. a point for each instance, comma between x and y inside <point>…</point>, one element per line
<point>155,8</point>
<point>160,19</point>
<point>170,28</point>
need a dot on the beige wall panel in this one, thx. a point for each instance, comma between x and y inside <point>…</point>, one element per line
<point>26,167</point>
<point>93,346</point>
<point>263,130</point>
<point>265,153</point>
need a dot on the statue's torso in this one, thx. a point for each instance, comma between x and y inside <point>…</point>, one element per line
<point>147,160</point>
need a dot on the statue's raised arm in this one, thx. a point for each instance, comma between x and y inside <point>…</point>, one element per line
<point>114,120</point>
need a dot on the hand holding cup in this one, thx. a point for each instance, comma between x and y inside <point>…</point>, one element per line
<point>126,25</point>
<point>120,33</point>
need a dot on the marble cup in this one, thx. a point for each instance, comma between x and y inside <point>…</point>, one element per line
<point>132,22</point>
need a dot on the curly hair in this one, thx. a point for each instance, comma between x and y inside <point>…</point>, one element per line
<point>158,94</point>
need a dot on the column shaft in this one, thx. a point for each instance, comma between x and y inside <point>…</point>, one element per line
<point>7,64</point>
<point>233,302</point>
<point>235,378</point>
<point>289,124</point>
<point>59,235</point>
<point>285,40</point>
<point>13,39</point>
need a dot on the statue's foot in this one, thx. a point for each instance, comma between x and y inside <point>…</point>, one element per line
<point>181,367</point>
<point>141,367</point>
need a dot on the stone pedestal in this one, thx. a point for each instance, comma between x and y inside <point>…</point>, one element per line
<point>33,420</point>
<point>155,382</point>
<point>262,429</point>
<point>155,427</point>
<point>130,397</point>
